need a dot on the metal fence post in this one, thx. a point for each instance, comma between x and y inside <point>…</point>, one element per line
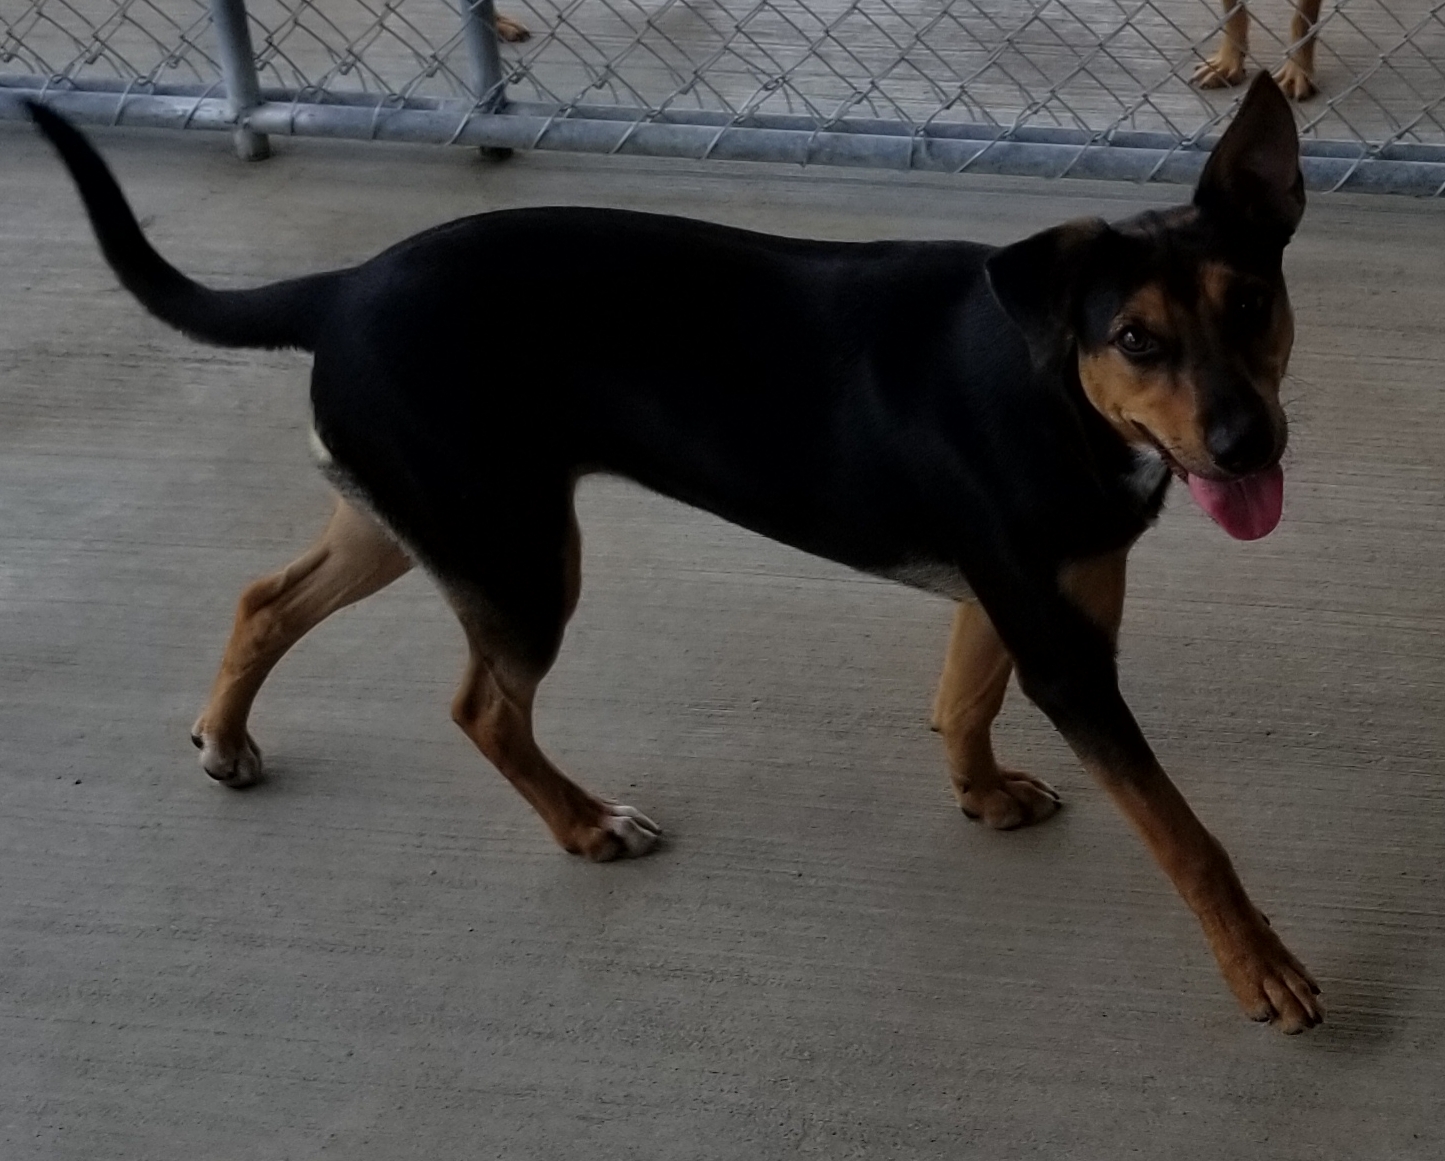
<point>238,66</point>
<point>479,22</point>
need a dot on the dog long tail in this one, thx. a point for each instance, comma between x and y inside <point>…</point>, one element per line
<point>284,314</point>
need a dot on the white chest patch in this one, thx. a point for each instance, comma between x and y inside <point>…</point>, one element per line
<point>932,577</point>
<point>1149,472</point>
<point>320,450</point>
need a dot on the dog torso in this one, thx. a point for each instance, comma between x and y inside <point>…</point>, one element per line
<point>869,403</point>
<point>996,422</point>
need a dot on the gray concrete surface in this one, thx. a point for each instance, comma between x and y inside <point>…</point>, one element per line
<point>379,955</point>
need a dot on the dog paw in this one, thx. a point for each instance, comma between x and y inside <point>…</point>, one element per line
<point>1019,800</point>
<point>1220,71</point>
<point>1296,81</point>
<point>621,833</point>
<point>236,766</point>
<point>1269,982</point>
<point>512,30</point>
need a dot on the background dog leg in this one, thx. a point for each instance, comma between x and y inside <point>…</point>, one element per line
<point>353,558</point>
<point>1296,75</point>
<point>1226,66</point>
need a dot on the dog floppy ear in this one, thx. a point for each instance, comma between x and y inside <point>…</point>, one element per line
<point>1253,175</point>
<point>1036,281</point>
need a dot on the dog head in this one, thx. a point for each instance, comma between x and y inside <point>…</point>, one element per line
<point>1178,320</point>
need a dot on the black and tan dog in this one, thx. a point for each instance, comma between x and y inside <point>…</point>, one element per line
<point>998,426</point>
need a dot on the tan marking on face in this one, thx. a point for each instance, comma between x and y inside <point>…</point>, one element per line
<point>1157,401</point>
<point>1281,342</point>
<point>1269,361</point>
<point>1216,281</point>
<point>1146,403</point>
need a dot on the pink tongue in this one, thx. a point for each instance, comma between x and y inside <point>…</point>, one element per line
<point>1247,509</point>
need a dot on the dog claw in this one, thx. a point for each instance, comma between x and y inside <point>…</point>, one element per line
<point>640,820</point>
<point>623,832</point>
<point>1272,986</point>
<point>1296,81</point>
<point>1218,72</point>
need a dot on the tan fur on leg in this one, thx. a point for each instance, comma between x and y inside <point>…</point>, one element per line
<point>1226,66</point>
<point>971,692</point>
<point>353,558</point>
<point>1096,586</point>
<point>1297,75</point>
<point>1268,980</point>
<point>494,708</point>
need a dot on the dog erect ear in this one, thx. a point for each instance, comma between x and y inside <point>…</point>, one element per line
<point>1253,175</point>
<point>1036,281</point>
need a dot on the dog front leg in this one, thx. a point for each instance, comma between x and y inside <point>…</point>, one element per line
<point>1226,66</point>
<point>1065,663</point>
<point>1269,982</point>
<point>1297,75</point>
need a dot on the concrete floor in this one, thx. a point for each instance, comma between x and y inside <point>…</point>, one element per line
<point>379,955</point>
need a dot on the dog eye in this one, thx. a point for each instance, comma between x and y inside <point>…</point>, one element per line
<point>1135,342</point>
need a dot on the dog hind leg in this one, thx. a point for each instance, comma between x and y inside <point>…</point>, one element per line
<point>353,558</point>
<point>514,626</point>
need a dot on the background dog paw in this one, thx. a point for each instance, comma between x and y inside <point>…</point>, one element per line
<point>511,30</point>
<point>1295,80</point>
<point>1219,72</point>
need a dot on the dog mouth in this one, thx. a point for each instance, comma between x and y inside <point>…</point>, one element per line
<point>1162,450</point>
<point>1247,507</point>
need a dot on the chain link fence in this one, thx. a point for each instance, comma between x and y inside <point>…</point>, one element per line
<point>1094,88</point>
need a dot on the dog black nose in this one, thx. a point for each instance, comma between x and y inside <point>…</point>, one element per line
<point>1241,439</point>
